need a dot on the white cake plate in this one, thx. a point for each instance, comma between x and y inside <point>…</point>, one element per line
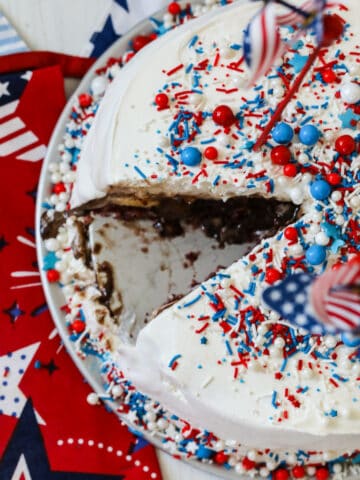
<point>174,277</point>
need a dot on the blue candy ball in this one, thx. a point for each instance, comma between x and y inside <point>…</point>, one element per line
<point>320,189</point>
<point>309,135</point>
<point>191,156</point>
<point>203,452</point>
<point>282,133</point>
<point>316,254</point>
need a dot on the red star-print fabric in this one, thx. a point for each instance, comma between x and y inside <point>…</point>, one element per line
<point>36,374</point>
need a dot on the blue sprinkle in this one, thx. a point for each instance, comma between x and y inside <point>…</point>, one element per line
<point>142,174</point>
<point>273,399</point>
<point>228,347</point>
<point>191,302</point>
<point>193,41</point>
<point>216,181</point>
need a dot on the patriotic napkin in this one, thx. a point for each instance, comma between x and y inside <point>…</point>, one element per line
<point>10,42</point>
<point>48,430</point>
<point>119,17</point>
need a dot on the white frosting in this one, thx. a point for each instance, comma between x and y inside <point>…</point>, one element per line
<point>125,135</point>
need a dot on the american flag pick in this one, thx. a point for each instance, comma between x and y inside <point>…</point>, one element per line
<point>329,303</point>
<point>262,43</point>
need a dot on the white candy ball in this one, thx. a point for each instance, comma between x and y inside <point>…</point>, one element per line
<point>350,92</point>
<point>52,244</point>
<point>55,177</point>
<point>355,201</point>
<point>117,391</point>
<point>69,142</point>
<point>98,85</point>
<point>322,239</point>
<point>297,195</point>
<point>162,424</point>
<point>339,220</point>
<point>330,341</point>
<point>60,206</point>
<point>92,399</point>
<point>336,195</point>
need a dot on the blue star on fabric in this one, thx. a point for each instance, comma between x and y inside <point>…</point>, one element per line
<point>27,441</point>
<point>102,40</point>
<point>123,4</point>
<point>3,243</point>
<point>347,118</point>
<point>14,312</point>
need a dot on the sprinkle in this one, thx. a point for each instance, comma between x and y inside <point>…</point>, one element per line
<point>173,362</point>
<point>142,174</point>
<point>273,399</point>
<point>193,41</point>
<point>174,70</point>
<point>228,347</point>
<point>191,302</point>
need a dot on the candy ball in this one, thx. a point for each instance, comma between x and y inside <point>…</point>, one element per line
<point>290,170</point>
<point>334,178</point>
<point>316,254</point>
<point>53,276</point>
<point>309,135</point>
<point>345,145</point>
<point>320,189</point>
<point>280,155</point>
<point>291,234</point>
<point>162,100</point>
<point>191,156</point>
<point>350,92</point>
<point>272,275</point>
<point>282,133</point>
<point>174,8</point>
<point>223,115</point>
<point>298,471</point>
<point>211,153</point>
<point>98,85</point>
<point>329,76</point>
<point>140,41</point>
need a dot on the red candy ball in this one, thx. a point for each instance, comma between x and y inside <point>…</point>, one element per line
<point>139,42</point>
<point>333,29</point>
<point>345,145</point>
<point>298,472</point>
<point>78,326</point>
<point>53,276</point>
<point>329,76</point>
<point>291,234</point>
<point>211,153</point>
<point>280,155</point>
<point>59,188</point>
<point>162,100</point>
<point>290,170</point>
<point>221,458</point>
<point>333,178</point>
<point>174,8</point>
<point>248,464</point>
<point>223,115</point>
<point>85,100</point>
<point>272,275</point>
<point>281,474</point>
<point>322,474</point>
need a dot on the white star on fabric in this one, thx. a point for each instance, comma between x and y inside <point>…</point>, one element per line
<point>13,368</point>
<point>21,470</point>
<point>4,89</point>
<point>27,75</point>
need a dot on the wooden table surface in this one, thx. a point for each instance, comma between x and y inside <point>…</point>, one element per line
<point>66,26</point>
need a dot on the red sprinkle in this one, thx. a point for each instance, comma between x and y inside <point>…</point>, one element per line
<point>248,464</point>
